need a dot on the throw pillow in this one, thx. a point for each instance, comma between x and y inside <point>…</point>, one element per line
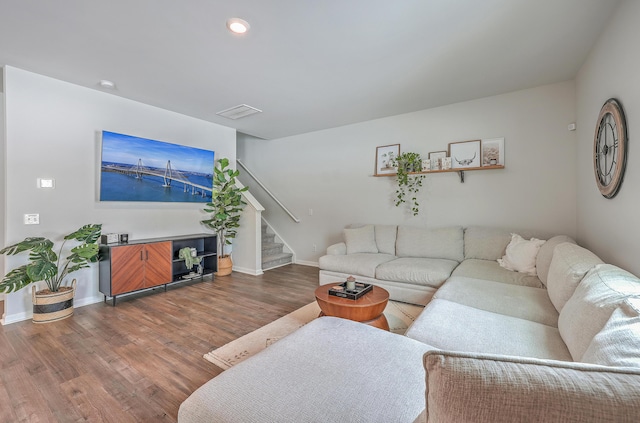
<point>597,296</point>
<point>543,261</point>
<point>361,240</point>
<point>569,264</point>
<point>617,343</point>
<point>521,255</point>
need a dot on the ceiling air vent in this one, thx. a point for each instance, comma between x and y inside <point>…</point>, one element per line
<point>238,112</point>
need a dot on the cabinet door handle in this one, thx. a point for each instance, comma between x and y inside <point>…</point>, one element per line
<point>147,251</point>
<point>141,257</point>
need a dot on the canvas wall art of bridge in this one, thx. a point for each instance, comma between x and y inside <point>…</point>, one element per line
<point>124,177</point>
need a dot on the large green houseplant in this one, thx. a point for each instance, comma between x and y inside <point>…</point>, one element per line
<point>225,208</point>
<point>55,302</point>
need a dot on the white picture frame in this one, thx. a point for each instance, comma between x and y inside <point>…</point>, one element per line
<point>465,154</point>
<point>384,157</point>
<point>493,149</point>
<point>435,158</point>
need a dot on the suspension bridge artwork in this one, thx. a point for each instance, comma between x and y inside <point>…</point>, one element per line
<point>140,169</point>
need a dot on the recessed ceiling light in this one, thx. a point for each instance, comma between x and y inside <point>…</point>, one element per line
<point>105,83</point>
<point>237,25</point>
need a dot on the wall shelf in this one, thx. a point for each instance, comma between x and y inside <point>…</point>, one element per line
<point>459,171</point>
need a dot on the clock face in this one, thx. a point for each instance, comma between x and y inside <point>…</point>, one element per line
<point>610,148</point>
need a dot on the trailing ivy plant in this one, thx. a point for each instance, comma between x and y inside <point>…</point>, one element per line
<point>408,184</point>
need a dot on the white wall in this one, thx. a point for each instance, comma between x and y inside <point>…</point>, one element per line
<point>53,130</point>
<point>330,171</point>
<point>610,227</point>
<point>2,173</point>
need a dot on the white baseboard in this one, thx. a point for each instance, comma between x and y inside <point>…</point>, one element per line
<point>308,263</point>
<point>15,318</point>
<point>87,301</point>
<point>252,272</point>
<point>279,265</point>
<point>28,315</point>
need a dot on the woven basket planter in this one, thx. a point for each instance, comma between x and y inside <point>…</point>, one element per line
<point>53,306</point>
<point>225,265</point>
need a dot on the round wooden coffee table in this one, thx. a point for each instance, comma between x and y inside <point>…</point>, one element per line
<point>366,309</point>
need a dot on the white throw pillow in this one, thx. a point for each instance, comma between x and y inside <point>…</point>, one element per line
<point>617,343</point>
<point>361,240</point>
<point>569,264</point>
<point>521,255</point>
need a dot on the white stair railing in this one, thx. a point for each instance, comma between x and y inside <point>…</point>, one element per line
<point>247,246</point>
<point>291,215</point>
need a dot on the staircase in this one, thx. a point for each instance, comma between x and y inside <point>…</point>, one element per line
<point>272,251</point>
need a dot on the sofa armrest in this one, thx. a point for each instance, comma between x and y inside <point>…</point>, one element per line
<point>502,389</point>
<point>339,249</point>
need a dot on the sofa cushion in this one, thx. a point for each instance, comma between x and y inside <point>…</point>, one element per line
<point>308,375</point>
<point>618,343</point>
<point>569,264</point>
<point>337,249</point>
<point>520,255</point>
<point>599,294</point>
<point>444,243</point>
<point>523,302</point>
<point>545,254</point>
<point>491,271</point>
<point>355,264</point>
<point>456,327</point>
<point>360,240</point>
<point>386,238</point>
<point>467,387</point>
<point>485,243</point>
<point>416,271</point>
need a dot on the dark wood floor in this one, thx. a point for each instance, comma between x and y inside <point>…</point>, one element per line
<point>137,361</point>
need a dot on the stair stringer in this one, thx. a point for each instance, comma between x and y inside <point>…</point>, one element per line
<point>285,248</point>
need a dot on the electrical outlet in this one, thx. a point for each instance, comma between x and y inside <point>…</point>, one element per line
<point>310,212</point>
<point>46,183</point>
<point>32,219</point>
<point>314,248</point>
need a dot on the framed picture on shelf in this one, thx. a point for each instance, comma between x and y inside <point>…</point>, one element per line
<point>435,157</point>
<point>465,154</point>
<point>384,159</point>
<point>493,152</point>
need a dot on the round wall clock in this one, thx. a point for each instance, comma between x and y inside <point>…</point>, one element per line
<point>610,148</point>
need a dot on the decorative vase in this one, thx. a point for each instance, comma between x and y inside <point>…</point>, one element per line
<point>225,266</point>
<point>53,306</point>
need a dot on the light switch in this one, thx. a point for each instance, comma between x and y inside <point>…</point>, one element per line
<point>32,219</point>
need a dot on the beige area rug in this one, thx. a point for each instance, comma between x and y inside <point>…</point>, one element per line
<point>399,315</point>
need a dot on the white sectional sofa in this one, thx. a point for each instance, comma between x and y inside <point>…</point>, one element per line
<point>412,262</point>
<point>491,345</point>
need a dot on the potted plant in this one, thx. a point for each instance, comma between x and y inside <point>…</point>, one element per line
<point>409,182</point>
<point>56,301</point>
<point>225,208</point>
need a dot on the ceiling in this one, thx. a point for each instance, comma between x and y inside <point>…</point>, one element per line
<point>308,65</point>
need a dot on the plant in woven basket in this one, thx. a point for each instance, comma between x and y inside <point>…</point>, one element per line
<point>226,204</point>
<point>49,266</point>
<point>409,183</point>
